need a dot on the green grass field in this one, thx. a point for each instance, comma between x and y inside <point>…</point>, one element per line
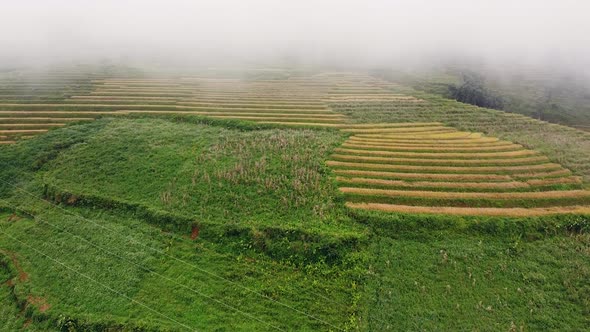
<point>185,221</point>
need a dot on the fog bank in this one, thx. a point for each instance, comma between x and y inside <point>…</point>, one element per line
<point>356,33</point>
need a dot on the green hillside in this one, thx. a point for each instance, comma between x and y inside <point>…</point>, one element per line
<point>226,201</point>
<point>545,93</point>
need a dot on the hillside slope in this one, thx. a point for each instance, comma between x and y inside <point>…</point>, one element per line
<point>179,220</point>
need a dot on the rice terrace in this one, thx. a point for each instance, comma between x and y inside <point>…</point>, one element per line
<point>294,166</point>
<point>283,200</point>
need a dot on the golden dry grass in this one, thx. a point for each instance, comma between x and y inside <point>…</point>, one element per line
<point>260,102</point>
<point>262,118</point>
<point>510,161</point>
<point>424,176</point>
<point>394,125</point>
<point>467,195</point>
<point>106,93</point>
<point>356,140</point>
<point>554,181</point>
<point>449,169</point>
<point>140,84</point>
<point>25,125</point>
<point>254,104</point>
<point>442,184</point>
<point>482,140</point>
<point>196,108</point>
<point>308,112</point>
<point>405,130</point>
<point>221,108</point>
<point>144,89</point>
<point>499,145</point>
<point>261,114</point>
<point>23,131</point>
<point>203,102</point>
<point>434,184</point>
<point>256,98</point>
<point>128,88</point>
<point>466,211</point>
<point>77,105</point>
<point>395,147</point>
<point>441,155</point>
<point>126,98</point>
<point>285,91</point>
<point>261,99</point>
<point>133,80</point>
<point>115,81</point>
<point>371,97</point>
<point>379,94</point>
<point>238,114</point>
<point>43,119</point>
<point>278,118</point>
<point>263,102</point>
<point>530,175</point>
<point>413,136</point>
<point>300,123</point>
<point>33,113</point>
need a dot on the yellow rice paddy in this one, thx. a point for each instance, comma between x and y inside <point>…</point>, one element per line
<point>401,163</point>
<point>463,211</point>
<point>435,169</point>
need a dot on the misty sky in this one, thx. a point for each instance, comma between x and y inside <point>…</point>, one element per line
<point>366,31</point>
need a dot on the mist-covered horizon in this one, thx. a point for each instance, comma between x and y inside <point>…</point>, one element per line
<point>350,33</point>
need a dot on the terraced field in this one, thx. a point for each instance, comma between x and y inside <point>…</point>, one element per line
<point>32,106</point>
<point>32,102</point>
<point>562,144</point>
<point>406,163</point>
<point>432,168</point>
<point>225,225</point>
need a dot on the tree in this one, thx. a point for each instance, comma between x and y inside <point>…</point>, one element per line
<point>473,91</point>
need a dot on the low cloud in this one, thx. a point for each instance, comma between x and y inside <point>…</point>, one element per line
<point>365,33</point>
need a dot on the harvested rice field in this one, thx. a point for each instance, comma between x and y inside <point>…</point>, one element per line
<point>437,169</point>
<point>299,101</point>
<point>293,102</point>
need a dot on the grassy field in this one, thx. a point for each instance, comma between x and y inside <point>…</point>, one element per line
<point>188,214</point>
<point>454,281</point>
<point>225,266</point>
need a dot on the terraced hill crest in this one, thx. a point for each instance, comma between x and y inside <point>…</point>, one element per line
<point>401,165</point>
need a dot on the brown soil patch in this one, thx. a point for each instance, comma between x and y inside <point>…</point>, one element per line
<point>22,275</point>
<point>72,200</point>
<point>13,217</point>
<point>195,232</point>
<point>38,302</point>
